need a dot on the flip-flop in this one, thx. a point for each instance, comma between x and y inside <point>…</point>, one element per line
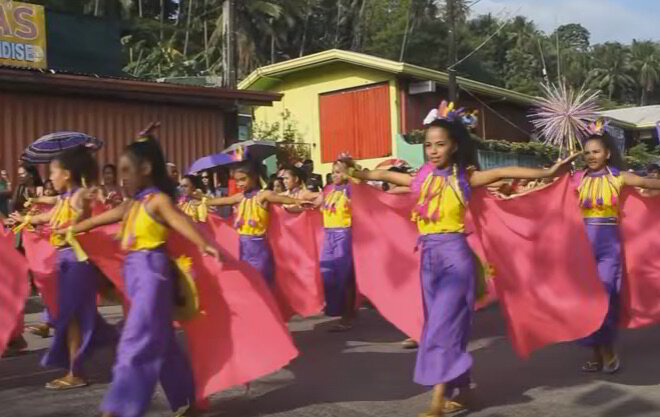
<point>452,407</point>
<point>62,384</point>
<point>612,366</point>
<point>43,331</point>
<point>409,344</point>
<point>592,366</point>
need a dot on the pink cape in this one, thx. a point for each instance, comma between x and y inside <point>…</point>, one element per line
<point>546,275</point>
<point>294,239</point>
<point>539,295</point>
<point>14,287</point>
<point>239,315</point>
<point>640,232</point>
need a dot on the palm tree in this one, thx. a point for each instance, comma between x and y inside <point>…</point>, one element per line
<point>611,70</point>
<point>646,62</point>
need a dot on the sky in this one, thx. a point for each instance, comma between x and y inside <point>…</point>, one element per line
<point>607,20</point>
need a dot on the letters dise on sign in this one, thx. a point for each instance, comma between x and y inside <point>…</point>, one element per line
<point>22,35</point>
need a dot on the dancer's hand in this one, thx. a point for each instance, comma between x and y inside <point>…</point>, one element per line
<point>17,217</point>
<point>212,251</point>
<point>563,165</point>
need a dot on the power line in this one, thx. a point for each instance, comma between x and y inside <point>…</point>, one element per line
<point>498,114</point>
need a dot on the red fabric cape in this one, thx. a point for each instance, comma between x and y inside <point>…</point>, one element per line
<point>294,239</point>
<point>226,342</point>
<point>14,287</point>
<point>545,273</point>
<point>640,234</point>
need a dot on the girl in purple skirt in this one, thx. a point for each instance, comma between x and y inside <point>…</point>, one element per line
<point>148,351</point>
<point>78,325</point>
<point>252,218</point>
<point>600,188</point>
<point>448,271</point>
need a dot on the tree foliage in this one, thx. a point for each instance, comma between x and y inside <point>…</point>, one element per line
<point>176,38</point>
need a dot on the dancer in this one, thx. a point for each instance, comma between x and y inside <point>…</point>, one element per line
<point>78,325</point>
<point>252,218</point>
<point>600,188</point>
<point>448,272</point>
<point>337,268</point>
<point>191,200</point>
<point>294,182</point>
<point>148,350</point>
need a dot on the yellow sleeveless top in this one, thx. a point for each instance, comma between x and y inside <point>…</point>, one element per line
<point>251,218</point>
<point>64,215</point>
<point>599,195</point>
<point>441,205</point>
<point>140,231</point>
<point>336,209</point>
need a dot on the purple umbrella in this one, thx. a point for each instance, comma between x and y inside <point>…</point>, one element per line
<point>211,161</point>
<point>44,149</point>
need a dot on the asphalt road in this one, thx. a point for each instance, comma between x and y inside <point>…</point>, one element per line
<point>365,373</point>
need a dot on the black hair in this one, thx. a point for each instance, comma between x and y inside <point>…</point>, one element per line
<point>81,164</point>
<point>466,153</point>
<point>194,180</point>
<point>653,168</point>
<point>33,172</point>
<point>273,179</point>
<point>616,159</point>
<point>148,150</point>
<point>111,167</point>
<point>296,172</point>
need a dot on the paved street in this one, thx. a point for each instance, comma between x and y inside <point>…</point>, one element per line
<point>365,373</point>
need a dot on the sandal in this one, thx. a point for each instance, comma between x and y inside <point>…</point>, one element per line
<point>592,366</point>
<point>449,407</point>
<point>42,330</point>
<point>62,384</point>
<point>409,344</point>
<point>612,366</point>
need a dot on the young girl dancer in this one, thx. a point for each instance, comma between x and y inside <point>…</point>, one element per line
<point>600,188</point>
<point>78,325</point>
<point>444,186</point>
<point>252,218</point>
<point>148,351</point>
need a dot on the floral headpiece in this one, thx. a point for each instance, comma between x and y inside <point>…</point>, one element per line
<point>446,111</point>
<point>471,119</point>
<point>598,127</point>
<point>148,132</point>
<point>240,154</point>
<point>344,156</point>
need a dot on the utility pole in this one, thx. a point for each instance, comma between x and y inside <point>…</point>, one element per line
<point>451,17</point>
<point>229,75</point>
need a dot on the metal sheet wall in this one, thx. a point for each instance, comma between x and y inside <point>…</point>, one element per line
<point>186,133</point>
<point>356,121</point>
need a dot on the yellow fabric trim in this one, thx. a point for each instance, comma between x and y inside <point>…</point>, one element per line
<point>187,307</point>
<point>25,224</point>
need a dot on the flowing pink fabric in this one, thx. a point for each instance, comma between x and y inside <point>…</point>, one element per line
<point>640,230</point>
<point>386,264</point>
<point>240,336</point>
<point>546,272</point>
<point>40,256</point>
<point>294,239</point>
<point>14,289</point>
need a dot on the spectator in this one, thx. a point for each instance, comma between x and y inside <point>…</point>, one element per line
<point>208,185</point>
<point>5,192</point>
<point>276,184</point>
<point>111,193</point>
<point>49,189</point>
<point>314,181</point>
<point>30,185</point>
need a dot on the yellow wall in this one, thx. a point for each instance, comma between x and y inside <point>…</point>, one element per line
<point>301,97</point>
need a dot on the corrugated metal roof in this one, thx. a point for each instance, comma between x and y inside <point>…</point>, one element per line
<point>133,88</point>
<point>270,73</point>
<point>636,117</point>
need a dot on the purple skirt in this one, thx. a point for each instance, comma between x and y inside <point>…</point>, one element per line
<point>255,251</point>
<point>337,270</point>
<point>148,351</point>
<point>77,285</point>
<point>606,245</point>
<point>448,291</point>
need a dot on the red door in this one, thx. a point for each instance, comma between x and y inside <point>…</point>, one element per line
<point>356,121</point>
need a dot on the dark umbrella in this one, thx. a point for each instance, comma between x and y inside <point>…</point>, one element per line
<point>211,161</point>
<point>44,149</point>
<point>254,150</point>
